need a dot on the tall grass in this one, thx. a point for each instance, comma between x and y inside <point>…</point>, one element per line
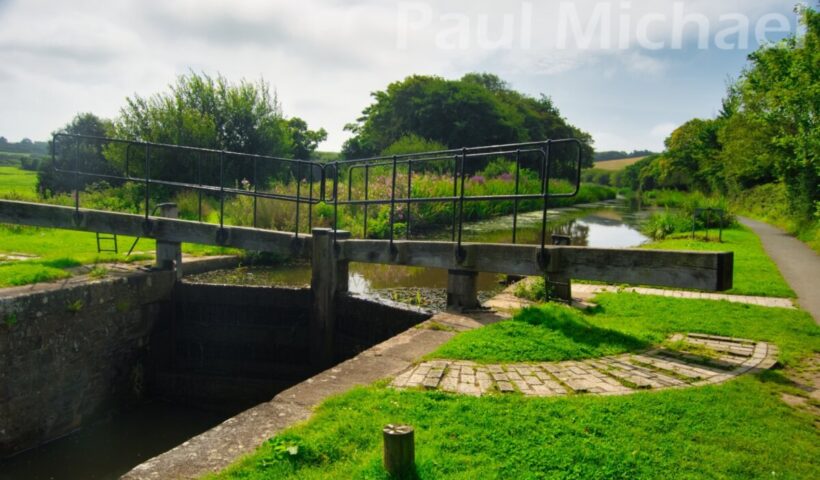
<point>679,212</point>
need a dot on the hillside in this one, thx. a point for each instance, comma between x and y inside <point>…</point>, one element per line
<point>618,164</point>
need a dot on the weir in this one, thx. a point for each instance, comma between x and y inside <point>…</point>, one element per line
<point>326,332</point>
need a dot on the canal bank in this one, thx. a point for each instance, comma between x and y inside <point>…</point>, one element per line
<point>86,360</point>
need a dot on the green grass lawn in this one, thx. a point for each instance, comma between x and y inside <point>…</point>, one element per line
<point>754,272</point>
<point>627,322</point>
<point>17,183</point>
<point>57,250</point>
<point>548,332</point>
<point>739,429</point>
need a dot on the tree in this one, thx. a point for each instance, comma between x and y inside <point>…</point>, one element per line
<point>691,156</point>
<point>479,109</point>
<point>202,111</point>
<point>86,156</point>
<point>304,141</point>
<point>781,90</point>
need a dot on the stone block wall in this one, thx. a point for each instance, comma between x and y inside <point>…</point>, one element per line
<point>72,351</point>
<point>363,321</point>
<point>229,347</point>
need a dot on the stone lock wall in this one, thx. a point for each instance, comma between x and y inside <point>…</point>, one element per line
<point>229,347</point>
<point>72,351</point>
<point>362,322</point>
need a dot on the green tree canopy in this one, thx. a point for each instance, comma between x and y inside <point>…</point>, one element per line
<point>90,156</point>
<point>479,109</point>
<point>767,130</point>
<point>207,112</point>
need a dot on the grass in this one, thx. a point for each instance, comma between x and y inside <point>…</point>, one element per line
<point>620,164</point>
<point>547,333</point>
<point>754,272</point>
<point>627,322</point>
<point>18,183</point>
<point>57,251</point>
<point>54,252</point>
<point>769,203</point>
<point>736,430</point>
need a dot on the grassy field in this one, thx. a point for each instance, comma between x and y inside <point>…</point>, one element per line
<point>627,322</point>
<point>754,272</point>
<point>56,251</point>
<point>619,164</point>
<point>17,183</point>
<point>736,430</point>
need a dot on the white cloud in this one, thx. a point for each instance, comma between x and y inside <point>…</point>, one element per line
<point>323,57</point>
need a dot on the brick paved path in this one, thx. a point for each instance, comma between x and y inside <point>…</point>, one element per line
<point>718,359</point>
<point>586,291</point>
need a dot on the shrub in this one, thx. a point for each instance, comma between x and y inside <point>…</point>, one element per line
<point>533,289</point>
<point>662,224</point>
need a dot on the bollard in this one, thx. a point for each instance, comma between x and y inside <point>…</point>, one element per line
<point>399,450</point>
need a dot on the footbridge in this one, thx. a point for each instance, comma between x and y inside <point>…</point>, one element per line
<point>363,210</point>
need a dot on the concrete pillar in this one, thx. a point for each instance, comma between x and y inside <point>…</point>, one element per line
<point>560,286</point>
<point>462,290</point>
<point>328,280</point>
<point>169,254</point>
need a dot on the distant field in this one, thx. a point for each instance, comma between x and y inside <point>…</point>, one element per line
<point>17,182</point>
<point>619,164</point>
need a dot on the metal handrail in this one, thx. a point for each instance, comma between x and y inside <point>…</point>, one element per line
<point>146,178</point>
<point>455,161</point>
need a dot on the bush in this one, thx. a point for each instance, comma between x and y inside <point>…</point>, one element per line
<point>662,224</point>
<point>533,289</point>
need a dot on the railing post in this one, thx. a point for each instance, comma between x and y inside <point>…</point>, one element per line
<point>462,290</point>
<point>393,205</point>
<point>169,254</point>
<point>328,280</point>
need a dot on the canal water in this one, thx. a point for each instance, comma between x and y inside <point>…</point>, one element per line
<point>110,448</point>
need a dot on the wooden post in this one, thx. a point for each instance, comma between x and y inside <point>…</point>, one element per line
<point>169,254</point>
<point>328,279</point>
<point>399,450</point>
<point>462,290</point>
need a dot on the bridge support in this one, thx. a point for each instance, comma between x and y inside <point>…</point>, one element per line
<point>169,254</point>
<point>462,290</point>
<point>559,287</point>
<point>328,280</point>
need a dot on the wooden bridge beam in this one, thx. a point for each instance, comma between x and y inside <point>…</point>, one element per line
<point>697,270</point>
<point>163,229</point>
<point>679,269</point>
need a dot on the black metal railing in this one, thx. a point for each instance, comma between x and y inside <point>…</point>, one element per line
<point>216,174</point>
<point>459,164</point>
<point>201,170</point>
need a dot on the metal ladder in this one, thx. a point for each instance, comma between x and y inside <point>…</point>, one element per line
<point>103,237</point>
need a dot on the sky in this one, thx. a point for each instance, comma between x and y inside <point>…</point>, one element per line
<point>628,72</point>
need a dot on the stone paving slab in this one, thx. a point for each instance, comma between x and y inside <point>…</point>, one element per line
<point>584,291</point>
<point>718,359</point>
